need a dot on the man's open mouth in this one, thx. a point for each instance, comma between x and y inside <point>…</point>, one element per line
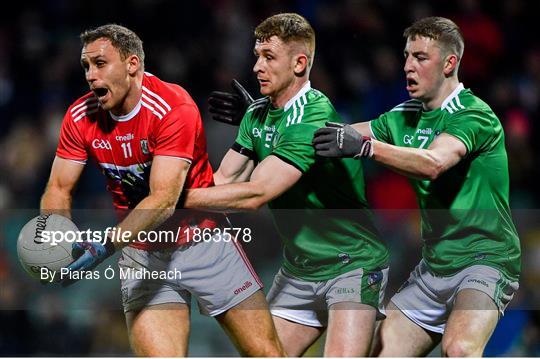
<point>411,82</point>
<point>100,92</point>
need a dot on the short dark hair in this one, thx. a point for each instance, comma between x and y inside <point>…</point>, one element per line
<point>288,27</point>
<point>126,41</point>
<point>441,29</point>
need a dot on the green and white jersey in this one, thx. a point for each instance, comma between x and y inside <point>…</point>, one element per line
<point>466,216</point>
<point>323,219</point>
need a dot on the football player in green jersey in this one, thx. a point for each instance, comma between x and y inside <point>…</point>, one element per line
<point>335,268</point>
<point>451,145</point>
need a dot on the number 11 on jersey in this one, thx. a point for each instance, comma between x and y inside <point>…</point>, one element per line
<point>126,146</point>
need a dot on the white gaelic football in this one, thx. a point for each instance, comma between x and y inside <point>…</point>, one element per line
<point>35,252</point>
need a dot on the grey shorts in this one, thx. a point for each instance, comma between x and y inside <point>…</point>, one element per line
<point>307,302</point>
<point>427,299</point>
<point>217,274</point>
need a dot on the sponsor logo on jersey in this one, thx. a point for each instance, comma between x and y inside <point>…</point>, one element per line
<point>99,144</point>
<point>424,131</point>
<point>246,285</point>
<point>408,139</point>
<point>144,147</point>
<point>127,137</point>
<point>256,132</point>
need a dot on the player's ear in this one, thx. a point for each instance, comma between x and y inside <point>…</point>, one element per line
<point>300,64</point>
<point>133,64</point>
<point>450,64</point>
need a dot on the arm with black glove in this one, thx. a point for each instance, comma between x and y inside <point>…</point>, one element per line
<point>341,140</point>
<point>229,107</point>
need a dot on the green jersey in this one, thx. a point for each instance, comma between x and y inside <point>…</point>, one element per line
<point>323,219</point>
<point>466,216</point>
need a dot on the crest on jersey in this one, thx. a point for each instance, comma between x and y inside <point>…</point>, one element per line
<point>144,147</point>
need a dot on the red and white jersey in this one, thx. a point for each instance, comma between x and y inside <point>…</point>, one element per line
<point>165,122</point>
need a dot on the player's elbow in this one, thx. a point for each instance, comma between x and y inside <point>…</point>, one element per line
<point>169,204</point>
<point>254,204</point>
<point>56,188</point>
<point>433,169</point>
<point>165,201</point>
<point>258,197</point>
<point>220,178</point>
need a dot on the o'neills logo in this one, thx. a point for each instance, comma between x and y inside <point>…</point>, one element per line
<point>41,224</point>
<point>246,285</point>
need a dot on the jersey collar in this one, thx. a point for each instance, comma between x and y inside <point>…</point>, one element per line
<point>128,116</point>
<point>300,93</point>
<point>452,95</point>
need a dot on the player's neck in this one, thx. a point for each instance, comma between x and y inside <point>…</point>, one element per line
<point>448,86</point>
<point>281,100</point>
<point>132,98</point>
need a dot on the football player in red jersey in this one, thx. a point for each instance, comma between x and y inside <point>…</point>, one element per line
<point>140,129</point>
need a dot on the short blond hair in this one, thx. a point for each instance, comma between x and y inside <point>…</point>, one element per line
<point>288,27</point>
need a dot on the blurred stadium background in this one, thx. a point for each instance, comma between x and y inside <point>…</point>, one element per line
<point>202,45</point>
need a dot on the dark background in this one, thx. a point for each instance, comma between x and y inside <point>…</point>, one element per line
<point>202,46</point>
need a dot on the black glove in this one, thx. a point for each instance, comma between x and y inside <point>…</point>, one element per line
<point>229,107</point>
<point>135,189</point>
<point>340,140</point>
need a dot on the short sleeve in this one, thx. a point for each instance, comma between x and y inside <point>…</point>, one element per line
<point>244,135</point>
<point>176,133</point>
<point>71,143</point>
<point>379,128</point>
<point>295,146</point>
<point>473,128</point>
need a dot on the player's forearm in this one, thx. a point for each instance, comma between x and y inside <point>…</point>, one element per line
<point>411,162</point>
<point>234,196</point>
<point>57,201</point>
<point>149,214</point>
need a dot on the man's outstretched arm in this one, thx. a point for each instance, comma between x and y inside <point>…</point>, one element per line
<point>344,141</point>
<point>269,180</point>
<point>443,153</point>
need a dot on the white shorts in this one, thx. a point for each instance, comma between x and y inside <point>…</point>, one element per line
<point>307,302</point>
<point>218,274</point>
<point>428,299</point>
